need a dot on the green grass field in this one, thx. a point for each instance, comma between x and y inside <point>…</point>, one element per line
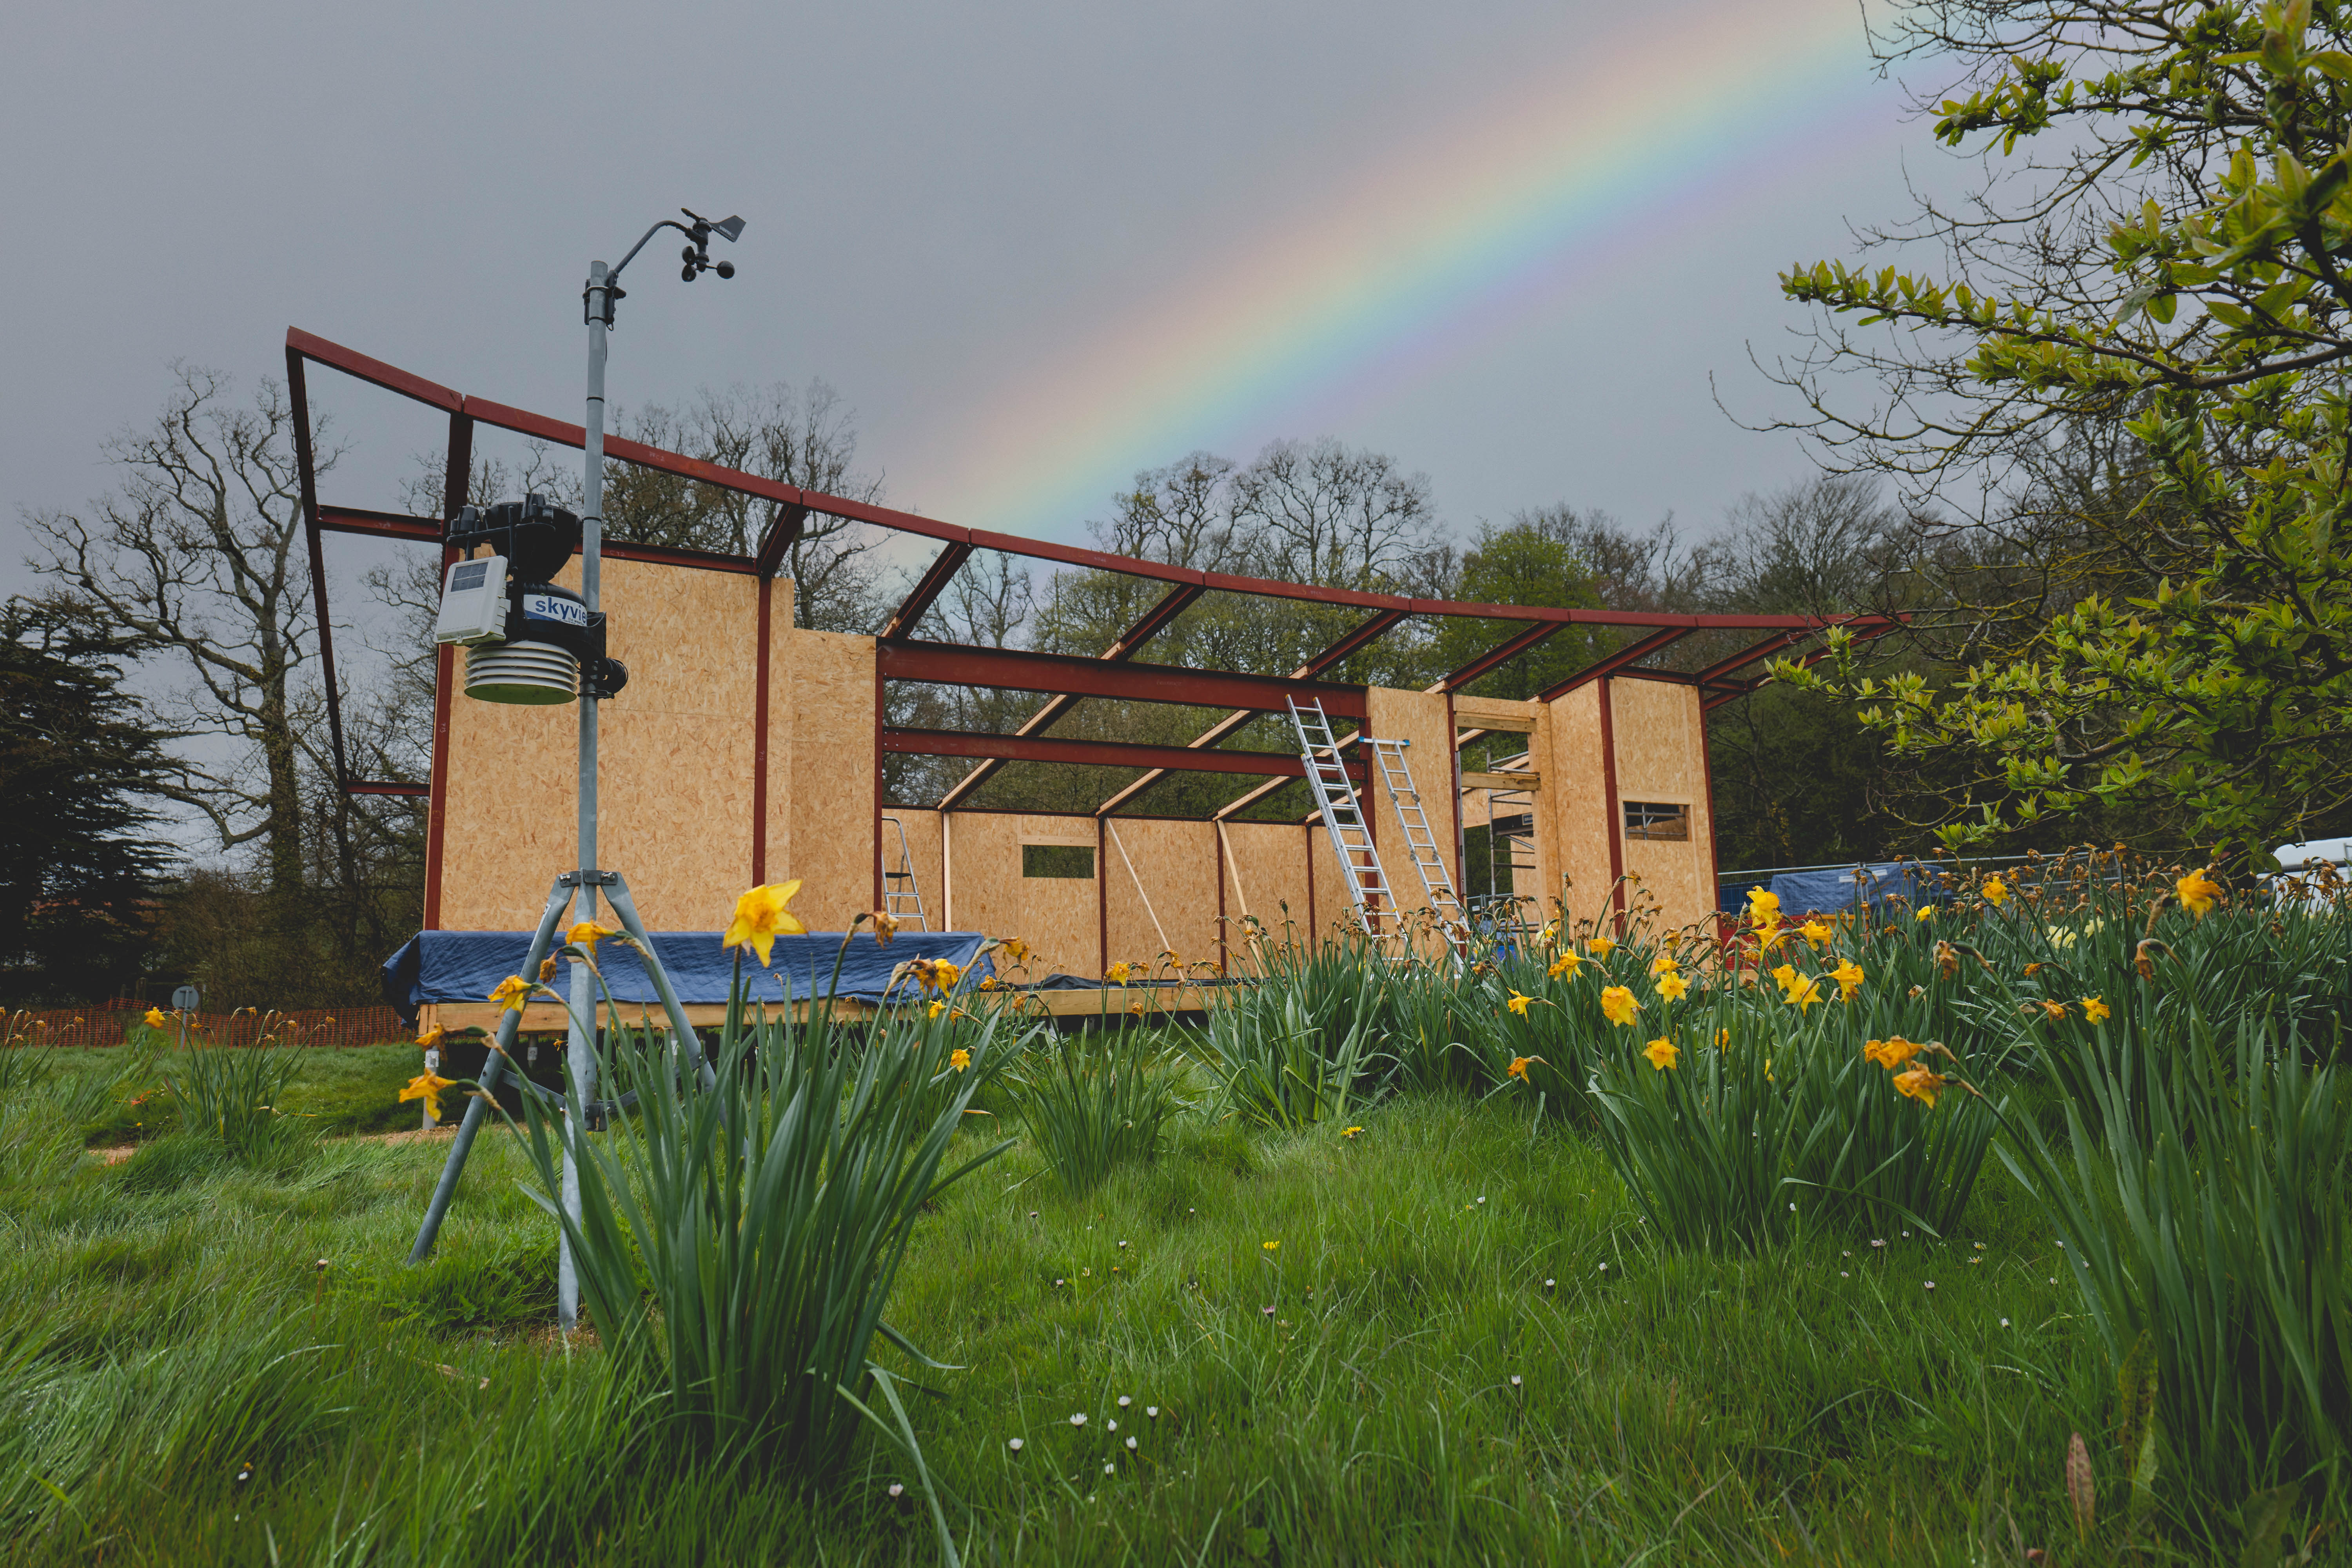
<point>1464,1348</point>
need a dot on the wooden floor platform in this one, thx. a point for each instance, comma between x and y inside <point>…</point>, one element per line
<point>547,1018</point>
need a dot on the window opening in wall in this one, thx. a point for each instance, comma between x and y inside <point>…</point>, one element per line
<point>1657,819</point>
<point>1072,860</point>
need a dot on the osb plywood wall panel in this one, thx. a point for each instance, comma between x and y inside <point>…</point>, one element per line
<point>674,775</point>
<point>1265,871</point>
<point>923,853</point>
<point>1662,756</point>
<point>1056,916</point>
<point>1420,718</point>
<point>1574,864</point>
<point>1176,873</point>
<point>676,755</point>
<point>830,785</point>
<point>777,849</point>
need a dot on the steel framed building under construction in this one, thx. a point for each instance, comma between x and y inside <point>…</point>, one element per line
<point>747,749</point>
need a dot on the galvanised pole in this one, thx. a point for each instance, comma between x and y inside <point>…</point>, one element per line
<point>580,1047</point>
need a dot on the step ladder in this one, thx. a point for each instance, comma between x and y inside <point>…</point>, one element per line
<point>902,899</point>
<point>1421,845</point>
<point>1368,900</point>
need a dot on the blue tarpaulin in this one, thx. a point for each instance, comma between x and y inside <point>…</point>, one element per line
<point>466,965</point>
<point>1827,892</point>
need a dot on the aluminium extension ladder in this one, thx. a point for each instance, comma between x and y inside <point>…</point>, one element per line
<point>1436,881</point>
<point>902,899</point>
<point>1351,836</point>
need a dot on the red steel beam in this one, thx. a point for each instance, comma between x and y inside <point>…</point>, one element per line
<point>380,524</point>
<point>1733,690</point>
<point>1359,637</point>
<point>1500,654</point>
<point>1154,620</point>
<point>943,568</point>
<point>1601,668</point>
<point>421,791</point>
<point>1097,754</point>
<point>298,394</point>
<point>1012,669</point>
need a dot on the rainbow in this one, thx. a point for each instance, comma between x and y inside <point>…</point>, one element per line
<point>1425,257</point>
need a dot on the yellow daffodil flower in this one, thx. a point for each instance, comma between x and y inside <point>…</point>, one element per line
<point>586,934</point>
<point>762,916</point>
<point>886,926</point>
<point>513,991</point>
<point>546,970</point>
<point>2096,1011</point>
<point>1662,964</point>
<point>1995,892</point>
<point>1804,993</point>
<point>1672,985</point>
<point>429,1038</point>
<point>1948,959</point>
<point>1519,1003</point>
<point>1890,1054</point>
<point>1617,1004</point>
<point>959,1059</point>
<point>1116,972</point>
<point>1567,964</point>
<point>1602,946</point>
<point>1920,1084</point>
<point>1848,975</point>
<point>424,1085</point>
<point>2198,892</point>
<point>1519,1069</point>
<point>1015,951</point>
<point>2053,1011</point>
<point>1661,1053</point>
<point>155,1018</point>
<point>1816,933</point>
<point>1924,913</point>
<point>1763,907</point>
<point>1785,977</point>
<point>937,1008</point>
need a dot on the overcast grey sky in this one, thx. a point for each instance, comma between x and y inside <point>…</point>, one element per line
<point>1035,247</point>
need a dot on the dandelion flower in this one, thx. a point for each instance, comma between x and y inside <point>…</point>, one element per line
<point>2096,1010</point>
<point>762,915</point>
<point>1617,1004</point>
<point>1270,1246</point>
<point>1344,1132</point>
<point>1661,1053</point>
